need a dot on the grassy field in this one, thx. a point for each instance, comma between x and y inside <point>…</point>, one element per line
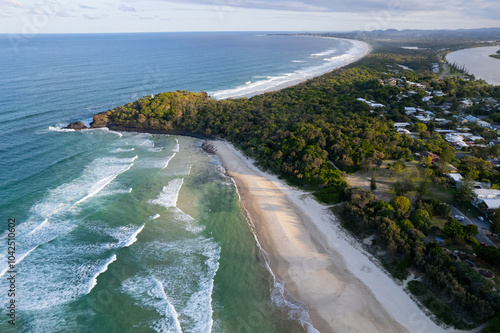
<point>385,180</point>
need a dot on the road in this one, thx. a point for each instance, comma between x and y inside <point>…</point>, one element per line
<point>483,226</point>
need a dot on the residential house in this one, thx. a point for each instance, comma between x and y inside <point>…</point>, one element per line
<point>487,200</point>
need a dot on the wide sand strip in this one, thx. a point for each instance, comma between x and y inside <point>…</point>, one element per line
<point>320,264</point>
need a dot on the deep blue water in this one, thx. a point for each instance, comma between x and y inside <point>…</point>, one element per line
<point>119,231</point>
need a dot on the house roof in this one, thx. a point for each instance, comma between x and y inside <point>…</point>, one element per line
<point>492,203</point>
<point>428,153</point>
<point>487,194</point>
<point>455,176</point>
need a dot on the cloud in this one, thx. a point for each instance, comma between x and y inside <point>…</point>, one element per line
<point>357,6</point>
<point>127,8</point>
<point>92,16</point>
<point>65,14</point>
<point>11,3</point>
<point>83,6</point>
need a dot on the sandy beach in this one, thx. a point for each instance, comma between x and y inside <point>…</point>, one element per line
<point>358,50</point>
<point>320,265</point>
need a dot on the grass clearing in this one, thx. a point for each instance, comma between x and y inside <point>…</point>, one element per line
<point>385,180</point>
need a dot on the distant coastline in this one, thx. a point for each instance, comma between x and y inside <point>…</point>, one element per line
<point>478,62</point>
<point>356,52</point>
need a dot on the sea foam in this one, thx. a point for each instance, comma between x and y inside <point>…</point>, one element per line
<point>102,269</point>
<point>169,195</point>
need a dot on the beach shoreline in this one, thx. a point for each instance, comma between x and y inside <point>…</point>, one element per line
<point>358,51</point>
<point>320,264</point>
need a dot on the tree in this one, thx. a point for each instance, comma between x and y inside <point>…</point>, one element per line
<point>423,186</point>
<point>420,127</point>
<point>495,225</point>
<point>426,161</point>
<point>470,230</point>
<point>373,183</point>
<point>446,156</point>
<point>495,151</point>
<point>395,167</point>
<point>420,219</point>
<point>401,203</point>
<point>464,193</point>
<point>453,228</point>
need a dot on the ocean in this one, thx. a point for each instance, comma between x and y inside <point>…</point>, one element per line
<point>132,232</point>
<point>479,63</point>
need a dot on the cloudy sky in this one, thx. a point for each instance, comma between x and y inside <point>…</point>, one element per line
<point>74,16</point>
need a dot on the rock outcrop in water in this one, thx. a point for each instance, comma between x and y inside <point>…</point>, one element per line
<point>77,126</point>
<point>100,120</point>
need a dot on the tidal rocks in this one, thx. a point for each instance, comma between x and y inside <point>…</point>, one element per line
<point>77,126</point>
<point>100,120</point>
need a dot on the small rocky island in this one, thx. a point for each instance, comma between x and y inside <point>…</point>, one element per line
<point>100,120</point>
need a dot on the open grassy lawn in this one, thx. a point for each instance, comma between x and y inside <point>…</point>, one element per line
<point>385,182</point>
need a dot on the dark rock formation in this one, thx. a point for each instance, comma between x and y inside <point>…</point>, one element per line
<point>100,120</point>
<point>208,147</point>
<point>77,126</point>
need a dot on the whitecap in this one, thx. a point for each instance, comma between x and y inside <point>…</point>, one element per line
<point>149,292</point>
<point>60,129</point>
<point>123,150</point>
<point>169,195</point>
<point>133,238</point>
<point>102,269</point>
<point>324,53</point>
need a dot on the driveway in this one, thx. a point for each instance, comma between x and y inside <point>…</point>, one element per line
<point>483,226</point>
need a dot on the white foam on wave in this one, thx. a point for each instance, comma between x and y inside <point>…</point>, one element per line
<point>149,292</point>
<point>357,50</point>
<point>111,192</point>
<point>177,146</point>
<point>188,222</point>
<point>123,150</point>
<point>142,140</point>
<point>343,57</point>
<point>188,268</point>
<point>170,308</point>
<point>102,269</point>
<point>168,161</point>
<point>298,61</point>
<point>125,235</point>
<point>324,53</point>
<point>20,257</point>
<point>60,129</point>
<point>58,211</point>
<point>133,238</point>
<point>154,217</point>
<point>169,195</point>
<point>154,163</point>
<point>102,183</point>
<point>199,307</point>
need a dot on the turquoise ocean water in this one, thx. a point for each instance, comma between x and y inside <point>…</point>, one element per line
<point>129,232</point>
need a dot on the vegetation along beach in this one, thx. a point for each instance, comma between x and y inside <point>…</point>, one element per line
<point>250,166</point>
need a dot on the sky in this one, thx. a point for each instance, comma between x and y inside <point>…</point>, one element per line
<point>107,16</point>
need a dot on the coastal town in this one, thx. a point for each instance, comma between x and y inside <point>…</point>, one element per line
<point>455,172</point>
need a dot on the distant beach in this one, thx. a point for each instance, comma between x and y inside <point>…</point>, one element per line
<point>358,50</point>
<point>478,62</point>
<point>320,265</point>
